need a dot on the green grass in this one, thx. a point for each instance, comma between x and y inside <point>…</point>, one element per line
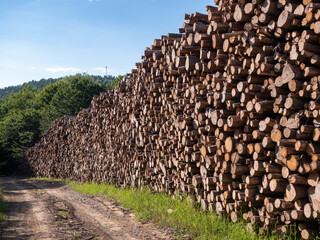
<point>182,216</point>
<point>66,181</point>
<point>3,206</point>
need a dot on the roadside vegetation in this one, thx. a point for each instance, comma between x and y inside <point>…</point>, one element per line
<point>3,206</point>
<point>26,114</point>
<point>184,217</point>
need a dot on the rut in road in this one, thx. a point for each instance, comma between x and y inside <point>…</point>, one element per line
<point>50,210</point>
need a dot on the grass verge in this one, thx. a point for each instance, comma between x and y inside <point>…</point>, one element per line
<point>3,206</point>
<point>181,216</point>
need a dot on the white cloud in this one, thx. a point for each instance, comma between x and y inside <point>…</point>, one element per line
<point>32,68</point>
<point>63,69</point>
<point>101,69</point>
<point>94,0</point>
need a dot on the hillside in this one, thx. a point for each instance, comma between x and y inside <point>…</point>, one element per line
<point>102,80</point>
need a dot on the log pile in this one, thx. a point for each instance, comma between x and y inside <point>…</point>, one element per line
<point>227,110</point>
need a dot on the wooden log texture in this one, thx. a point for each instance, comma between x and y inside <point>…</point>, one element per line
<point>227,111</point>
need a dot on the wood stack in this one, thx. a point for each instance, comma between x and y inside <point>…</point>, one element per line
<point>226,110</point>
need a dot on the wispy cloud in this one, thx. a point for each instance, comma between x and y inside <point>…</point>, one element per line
<point>101,69</point>
<point>63,69</point>
<point>94,0</point>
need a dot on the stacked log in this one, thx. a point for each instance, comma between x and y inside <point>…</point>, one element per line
<point>226,111</point>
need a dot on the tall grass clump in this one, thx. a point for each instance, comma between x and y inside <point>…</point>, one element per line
<point>182,216</point>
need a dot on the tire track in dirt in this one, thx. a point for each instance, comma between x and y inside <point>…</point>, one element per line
<point>50,210</point>
<point>28,217</point>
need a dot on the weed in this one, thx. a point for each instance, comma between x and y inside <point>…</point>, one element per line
<point>79,235</point>
<point>3,206</point>
<point>63,214</point>
<point>53,180</point>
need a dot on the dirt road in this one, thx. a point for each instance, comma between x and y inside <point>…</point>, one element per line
<point>51,210</point>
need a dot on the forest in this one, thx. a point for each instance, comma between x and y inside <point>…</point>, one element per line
<point>28,111</point>
<point>102,80</point>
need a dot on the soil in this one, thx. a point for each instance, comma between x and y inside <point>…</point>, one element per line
<point>53,211</point>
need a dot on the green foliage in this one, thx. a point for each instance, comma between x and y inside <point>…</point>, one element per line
<point>183,216</point>
<point>25,115</point>
<point>67,97</point>
<point>3,206</point>
<point>19,124</point>
<point>19,101</point>
<point>101,80</point>
<point>34,84</point>
<point>115,81</point>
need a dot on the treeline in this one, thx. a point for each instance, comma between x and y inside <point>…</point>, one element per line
<point>102,80</point>
<point>25,115</point>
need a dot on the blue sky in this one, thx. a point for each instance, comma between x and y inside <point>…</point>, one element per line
<point>53,38</point>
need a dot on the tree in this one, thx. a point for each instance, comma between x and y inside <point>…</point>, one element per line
<point>115,82</point>
<point>19,124</point>
<point>101,80</point>
<point>71,94</point>
<point>25,115</point>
